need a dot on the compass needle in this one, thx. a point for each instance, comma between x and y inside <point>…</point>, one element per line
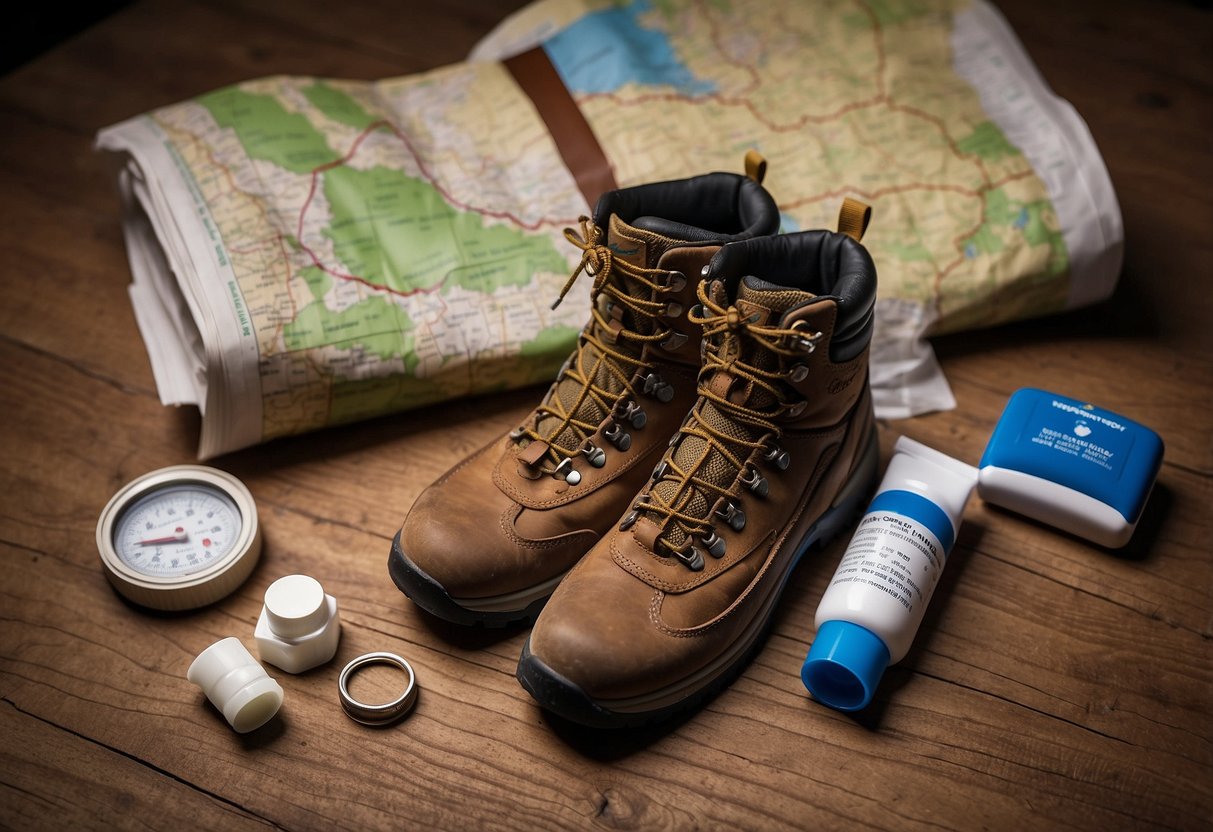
<point>180,537</point>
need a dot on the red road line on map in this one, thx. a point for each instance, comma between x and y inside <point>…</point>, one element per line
<point>943,129</point>
<point>252,249</point>
<point>881,96</point>
<point>909,186</point>
<point>958,241</point>
<point>879,192</point>
<point>726,101</point>
<point>755,81</point>
<point>354,148</point>
<point>878,31</point>
<point>307,202</point>
<point>286,261</point>
<point>448,196</point>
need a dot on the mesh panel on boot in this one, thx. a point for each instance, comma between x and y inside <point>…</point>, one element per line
<point>642,248</point>
<point>716,468</point>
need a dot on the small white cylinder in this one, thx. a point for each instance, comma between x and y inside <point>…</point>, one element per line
<point>236,684</point>
<point>294,606</point>
<point>299,626</point>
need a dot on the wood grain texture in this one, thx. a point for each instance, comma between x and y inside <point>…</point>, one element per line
<point>1053,685</point>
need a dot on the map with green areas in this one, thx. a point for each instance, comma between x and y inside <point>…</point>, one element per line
<point>399,242</point>
<point>378,277</point>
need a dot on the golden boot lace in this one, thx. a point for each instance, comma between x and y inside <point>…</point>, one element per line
<point>489,541</point>
<point>777,453</point>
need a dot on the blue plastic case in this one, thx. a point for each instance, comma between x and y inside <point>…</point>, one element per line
<point>1072,465</point>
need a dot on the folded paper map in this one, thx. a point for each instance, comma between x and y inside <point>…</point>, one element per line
<point>308,252</point>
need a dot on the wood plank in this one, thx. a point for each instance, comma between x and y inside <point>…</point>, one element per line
<point>958,690</point>
<point>57,779</point>
<point>1054,685</point>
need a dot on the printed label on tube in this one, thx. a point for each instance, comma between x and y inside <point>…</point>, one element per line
<point>899,548</point>
<point>895,554</point>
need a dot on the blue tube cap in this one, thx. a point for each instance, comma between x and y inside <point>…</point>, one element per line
<point>844,665</point>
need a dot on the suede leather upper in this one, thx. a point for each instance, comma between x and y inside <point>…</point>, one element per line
<point>497,524</point>
<point>633,627</point>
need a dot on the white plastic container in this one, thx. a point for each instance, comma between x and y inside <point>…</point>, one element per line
<point>874,604</point>
<point>299,627</point>
<point>236,684</point>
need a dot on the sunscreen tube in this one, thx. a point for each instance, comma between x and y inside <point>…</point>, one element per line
<point>872,608</point>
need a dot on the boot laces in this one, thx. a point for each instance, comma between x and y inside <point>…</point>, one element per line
<point>735,344</point>
<point>608,350</point>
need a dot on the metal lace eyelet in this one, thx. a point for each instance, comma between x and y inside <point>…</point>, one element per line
<point>673,341</point>
<point>629,411</point>
<point>689,555</point>
<point>617,436</point>
<point>799,373</point>
<point>660,470</point>
<point>595,455</point>
<point>756,482</point>
<point>629,520</point>
<point>672,309</point>
<point>796,409</point>
<point>705,270</point>
<point>517,433</point>
<point>565,471</point>
<point>657,388</point>
<point>778,457</point>
<point>732,514</point>
<point>714,543</point>
<point>674,282</point>
<point>808,339</point>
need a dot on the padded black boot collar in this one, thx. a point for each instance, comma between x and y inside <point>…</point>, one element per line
<point>712,208</point>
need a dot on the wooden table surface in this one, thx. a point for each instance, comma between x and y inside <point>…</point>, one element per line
<point>1053,684</point>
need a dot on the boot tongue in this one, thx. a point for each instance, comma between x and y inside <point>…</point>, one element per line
<point>641,248</point>
<point>764,304</point>
<point>628,243</point>
<point>757,295</point>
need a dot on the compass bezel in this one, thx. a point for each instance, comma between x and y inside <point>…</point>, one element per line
<point>180,592</point>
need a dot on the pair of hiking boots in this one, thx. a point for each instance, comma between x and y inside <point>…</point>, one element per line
<point>713,422</point>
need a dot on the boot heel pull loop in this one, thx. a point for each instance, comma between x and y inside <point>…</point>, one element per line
<point>853,218</point>
<point>755,166</point>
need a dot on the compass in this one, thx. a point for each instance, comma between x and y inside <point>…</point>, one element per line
<point>179,538</point>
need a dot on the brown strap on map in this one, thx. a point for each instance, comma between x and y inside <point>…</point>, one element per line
<point>575,141</point>
<point>755,166</point>
<point>853,218</point>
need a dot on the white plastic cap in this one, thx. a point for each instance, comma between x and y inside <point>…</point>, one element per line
<point>294,606</point>
<point>299,627</point>
<point>236,684</point>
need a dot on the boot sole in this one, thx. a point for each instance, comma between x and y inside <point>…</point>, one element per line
<point>494,611</point>
<point>566,699</point>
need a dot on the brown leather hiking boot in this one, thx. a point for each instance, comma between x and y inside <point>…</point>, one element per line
<point>779,452</point>
<point>488,542</point>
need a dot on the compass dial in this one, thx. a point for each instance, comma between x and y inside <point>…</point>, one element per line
<point>178,530</point>
<point>180,537</point>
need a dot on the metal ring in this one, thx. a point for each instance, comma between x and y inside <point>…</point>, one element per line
<point>377,714</point>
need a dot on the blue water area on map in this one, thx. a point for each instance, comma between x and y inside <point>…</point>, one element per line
<point>607,49</point>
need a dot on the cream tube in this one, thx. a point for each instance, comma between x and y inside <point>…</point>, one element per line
<point>875,602</point>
